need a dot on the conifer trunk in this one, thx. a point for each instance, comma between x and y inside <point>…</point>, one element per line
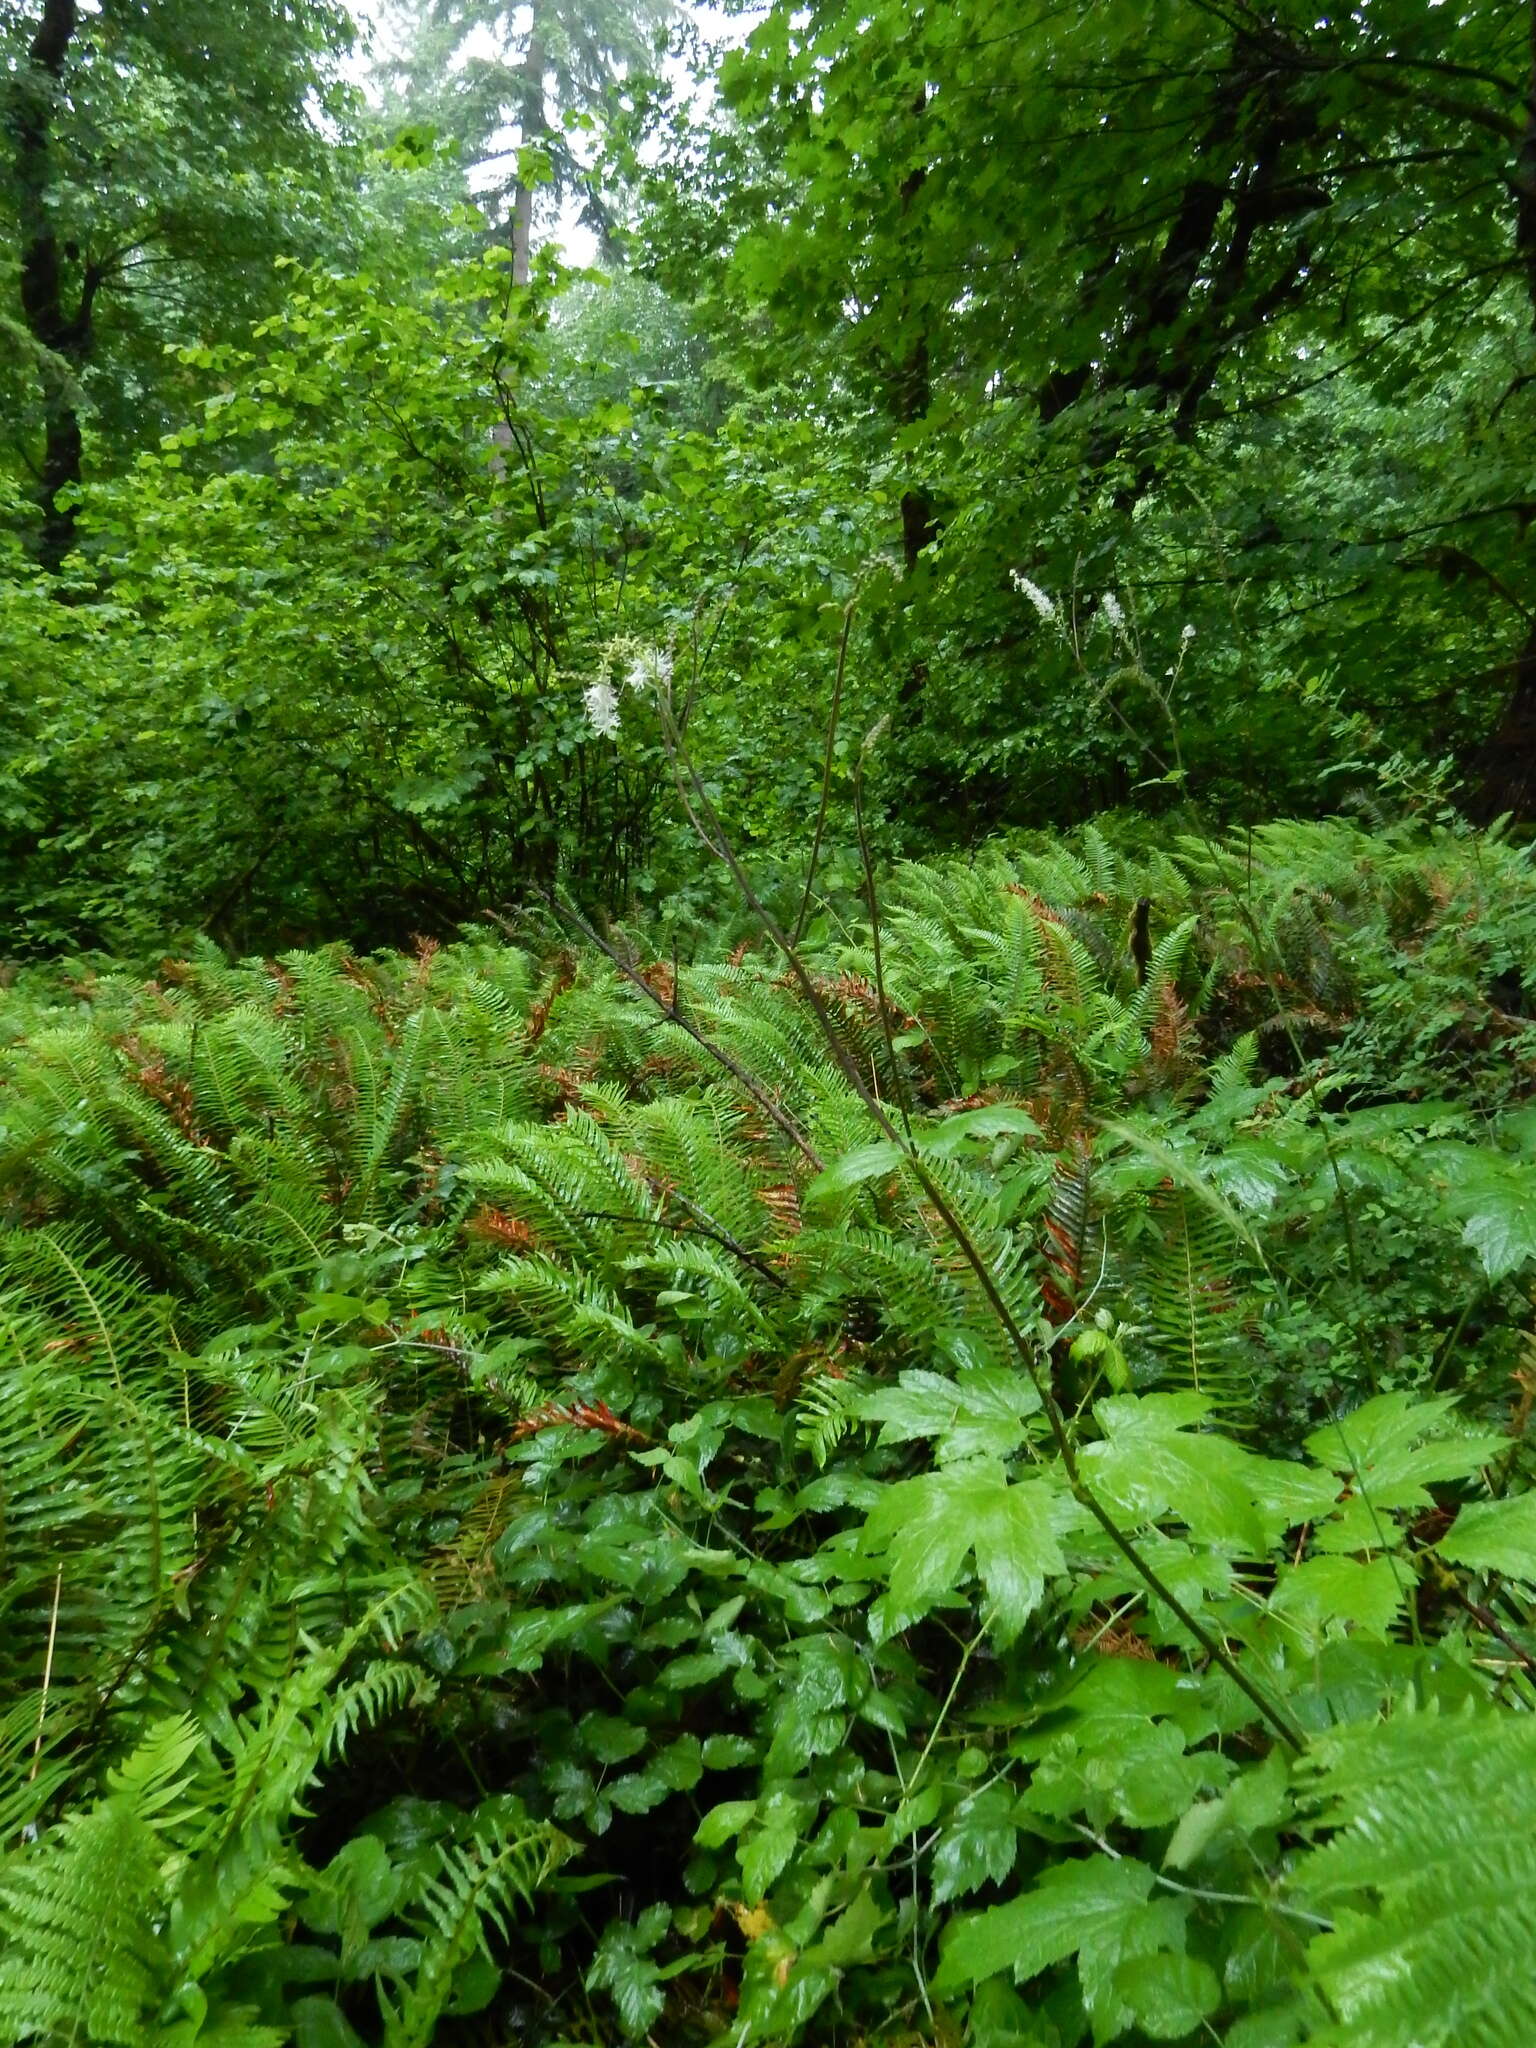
<point>1507,764</point>
<point>63,337</point>
<point>532,128</point>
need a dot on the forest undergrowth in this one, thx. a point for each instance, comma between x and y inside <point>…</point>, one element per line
<point>970,1486</point>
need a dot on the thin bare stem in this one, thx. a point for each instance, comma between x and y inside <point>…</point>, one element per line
<point>674,1015</point>
<point>701,814</point>
<point>826,766</point>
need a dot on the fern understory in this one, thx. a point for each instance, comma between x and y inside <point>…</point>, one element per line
<point>521,1520</point>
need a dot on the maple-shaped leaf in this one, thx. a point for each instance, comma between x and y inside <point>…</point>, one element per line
<point>1153,1463</point>
<point>1395,1447</point>
<point>978,1413</point>
<point>926,1529</point>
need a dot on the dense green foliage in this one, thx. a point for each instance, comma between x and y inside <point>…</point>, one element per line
<point>1221,327</point>
<point>767,1082</point>
<point>522,1518</point>
<point>1227,310</point>
<point>155,161</point>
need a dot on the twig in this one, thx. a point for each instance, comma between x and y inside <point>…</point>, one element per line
<point>42,1705</point>
<point>670,1011</point>
<point>826,766</point>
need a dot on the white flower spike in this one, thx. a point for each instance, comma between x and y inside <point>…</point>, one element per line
<point>1045,605</point>
<point>602,706</point>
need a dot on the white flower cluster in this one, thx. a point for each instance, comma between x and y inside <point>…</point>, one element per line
<point>1186,636</point>
<point>1043,604</point>
<point>602,707</point>
<point>647,673</point>
<point>650,671</point>
<point>1113,611</point>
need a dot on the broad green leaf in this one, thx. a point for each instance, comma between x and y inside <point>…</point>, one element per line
<point>1168,1995</point>
<point>1153,1465</point>
<point>1118,1770</point>
<point>321,2023</point>
<point>764,1855</point>
<point>723,1821</point>
<point>622,1967</point>
<point>875,1161</point>
<point>1394,1447</point>
<point>1073,1906</point>
<point>978,1844</point>
<point>924,1529</point>
<point>976,1414</point>
<point>1339,1591</point>
<point>1494,1536</point>
<point>1494,1197</point>
<point>1002,1119</point>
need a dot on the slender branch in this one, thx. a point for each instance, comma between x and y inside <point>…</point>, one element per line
<point>702,1226</point>
<point>702,816</point>
<point>826,766</point>
<point>674,1015</point>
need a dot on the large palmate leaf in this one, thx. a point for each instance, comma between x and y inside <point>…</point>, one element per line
<point>924,1530</point>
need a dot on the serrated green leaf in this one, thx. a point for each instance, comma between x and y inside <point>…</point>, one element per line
<point>1494,1536</point>
<point>724,1821</point>
<point>978,1413</point>
<point>1152,1464</point>
<point>1074,1905</point>
<point>1168,1995</point>
<point>926,1528</point>
<point>1396,1446</point>
<point>1338,1591</point>
<point>764,1856</point>
<point>977,1845</point>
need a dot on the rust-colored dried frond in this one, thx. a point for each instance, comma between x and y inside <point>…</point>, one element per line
<point>567,1084</point>
<point>564,977</point>
<point>1109,1641</point>
<point>661,979</point>
<point>172,1092</point>
<point>783,1205</point>
<point>1066,1231</point>
<point>595,1415</point>
<point>1039,909</point>
<point>495,1226</point>
<point>1172,1040</point>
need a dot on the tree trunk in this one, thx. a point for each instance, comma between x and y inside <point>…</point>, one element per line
<point>63,338</point>
<point>532,127</point>
<point>1506,765</point>
<point>522,233</point>
<point>912,388</point>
